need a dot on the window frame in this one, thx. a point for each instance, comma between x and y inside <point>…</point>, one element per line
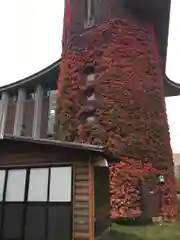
<point>7,177</point>
<point>89,13</point>
<point>27,179</point>
<point>46,205</point>
<point>3,186</point>
<point>32,190</point>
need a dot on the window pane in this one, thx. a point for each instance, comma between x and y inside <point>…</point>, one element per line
<point>91,77</point>
<point>16,185</point>
<point>35,223</point>
<point>60,184</point>
<point>59,222</point>
<point>90,119</point>
<point>2,179</point>
<point>13,221</point>
<point>38,185</point>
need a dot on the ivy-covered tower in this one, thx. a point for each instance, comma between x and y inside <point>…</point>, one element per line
<point>110,88</point>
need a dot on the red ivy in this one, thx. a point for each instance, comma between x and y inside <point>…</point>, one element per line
<point>125,189</point>
<point>130,116</point>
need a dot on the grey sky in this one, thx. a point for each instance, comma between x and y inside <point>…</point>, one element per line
<point>30,40</point>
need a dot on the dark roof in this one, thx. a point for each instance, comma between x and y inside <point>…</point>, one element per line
<point>171,88</point>
<point>63,145</point>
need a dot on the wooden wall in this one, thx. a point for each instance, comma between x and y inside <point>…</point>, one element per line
<point>15,154</point>
<point>83,212</point>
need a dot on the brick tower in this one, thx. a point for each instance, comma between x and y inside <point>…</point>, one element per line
<point>110,89</point>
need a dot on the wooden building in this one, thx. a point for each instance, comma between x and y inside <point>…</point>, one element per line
<point>52,190</point>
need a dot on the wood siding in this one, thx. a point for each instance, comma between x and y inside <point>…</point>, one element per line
<point>26,154</point>
<point>83,208</point>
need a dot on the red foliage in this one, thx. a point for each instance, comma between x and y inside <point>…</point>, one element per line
<point>125,190</point>
<point>129,110</point>
<point>130,114</point>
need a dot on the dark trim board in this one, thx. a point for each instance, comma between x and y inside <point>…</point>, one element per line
<point>35,165</point>
<point>73,145</point>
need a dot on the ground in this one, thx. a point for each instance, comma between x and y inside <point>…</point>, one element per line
<point>165,231</point>
<point>148,232</point>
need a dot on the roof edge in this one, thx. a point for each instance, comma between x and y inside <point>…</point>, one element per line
<point>75,145</point>
<point>174,84</point>
<point>31,77</point>
<point>96,149</point>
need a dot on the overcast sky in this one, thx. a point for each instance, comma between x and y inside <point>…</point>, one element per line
<point>30,40</point>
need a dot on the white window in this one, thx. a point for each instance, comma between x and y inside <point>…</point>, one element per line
<point>60,184</point>
<point>91,97</point>
<point>90,77</point>
<point>2,180</point>
<point>16,185</point>
<point>38,185</point>
<point>89,13</point>
<point>52,113</point>
<point>90,119</point>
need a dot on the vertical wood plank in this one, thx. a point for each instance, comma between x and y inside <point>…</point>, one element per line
<point>73,197</point>
<point>91,196</point>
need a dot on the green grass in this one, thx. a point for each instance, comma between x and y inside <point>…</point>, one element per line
<point>165,231</point>
<point>149,232</point>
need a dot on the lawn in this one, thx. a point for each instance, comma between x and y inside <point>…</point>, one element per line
<point>149,232</point>
<point>164,231</point>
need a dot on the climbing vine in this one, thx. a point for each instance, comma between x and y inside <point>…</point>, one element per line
<point>130,116</point>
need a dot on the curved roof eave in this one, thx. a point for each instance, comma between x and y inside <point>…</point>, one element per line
<point>37,77</point>
<point>174,84</point>
<point>51,72</point>
<point>171,88</point>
